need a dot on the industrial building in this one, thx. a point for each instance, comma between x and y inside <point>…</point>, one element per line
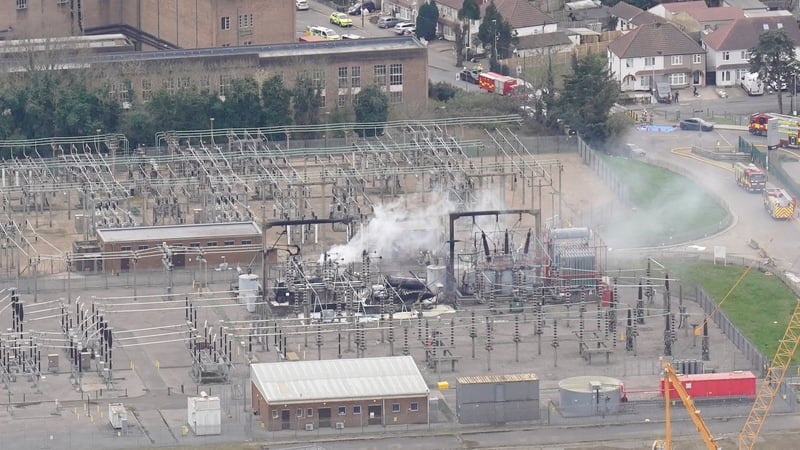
<point>235,243</point>
<point>339,393</point>
<point>338,69</point>
<point>497,399</point>
<point>154,24</point>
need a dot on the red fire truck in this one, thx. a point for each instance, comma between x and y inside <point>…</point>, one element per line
<point>749,177</point>
<point>496,83</point>
<point>758,122</point>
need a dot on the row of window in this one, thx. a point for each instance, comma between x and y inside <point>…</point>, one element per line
<point>348,77</point>
<point>342,410</point>
<point>675,60</point>
<point>128,248</point>
<point>675,79</point>
<point>245,22</point>
<point>744,55</point>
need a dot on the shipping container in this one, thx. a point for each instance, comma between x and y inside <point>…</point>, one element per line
<point>712,385</point>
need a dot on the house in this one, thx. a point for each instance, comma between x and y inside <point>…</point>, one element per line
<point>589,14</point>
<point>629,16</point>
<point>697,16</point>
<point>524,18</point>
<point>653,53</point>
<point>728,47</point>
<point>339,393</point>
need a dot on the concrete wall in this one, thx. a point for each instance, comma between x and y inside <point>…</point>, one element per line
<point>495,403</point>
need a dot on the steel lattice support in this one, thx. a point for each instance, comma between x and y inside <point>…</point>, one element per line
<point>769,388</point>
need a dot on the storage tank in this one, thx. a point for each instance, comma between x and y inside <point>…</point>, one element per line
<point>248,291</point>
<point>436,278</point>
<point>590,395</point>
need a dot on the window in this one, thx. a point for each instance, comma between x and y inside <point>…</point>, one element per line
<point>318,78</point>
<point>168,84</point>
<point>246,242</point>
<point>395,407</point>
<point>380,75</point>
<point>147,89</point>
<point>414,406</point>
<point>184,83</point>
<point>322,102</point>
<point>309,412</point>
<point>396,74</point>
<point>275,414</point>
<point>677,60</point>
<point>396,97</point>
<point>205,82</point>
<point>650,61</point>
<point>697,59</point>
<point>211,244</point>
<point>677,79</point>
<point>745,55</point>
<point>142,247</point>
<point>355,76</point>
<point>299,412</point>
<point>342,77</point>
<point>726,56</point>
<point>225,23</point>
<point>357,409</point>
<point>22,4</point>
<point>224,84</point>
<point>341,101</point>
<point>342,410</point>
<point>125,248</point>
<point>726,75</point>
<point>120,90</point>
<point>628,62</point>
<point>229,242</point>
<point>245,21</point>
<point>195,245</point>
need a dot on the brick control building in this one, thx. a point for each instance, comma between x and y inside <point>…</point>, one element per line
<point>154,24</point>
<point>339,393</point>
<point>234,243</point>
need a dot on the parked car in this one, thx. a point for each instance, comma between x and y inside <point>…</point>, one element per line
<point>355,9</point>
<point>302,5</point>
<point>324,32</point>
<point>351,36</point>
<point>470,76</point>
<point>341,19</point>
<point>387,22</point>
<point>696,123</point>
<point>402,27</point>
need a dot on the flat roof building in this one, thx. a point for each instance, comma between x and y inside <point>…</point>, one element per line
<point>339,393</point>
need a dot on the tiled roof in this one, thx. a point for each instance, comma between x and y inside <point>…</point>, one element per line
<point>625,11</point>
<point>684,6</point>
<point>714,14</point>
<point>654,39</point>
<point>645,17</point>
<point>743,33</point>
<point>519,13</point>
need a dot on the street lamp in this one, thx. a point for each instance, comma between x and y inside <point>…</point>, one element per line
<point>494,47</point>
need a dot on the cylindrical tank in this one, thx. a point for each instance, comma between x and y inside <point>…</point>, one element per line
<point>590,395</point>
<point>436,278</point>
<point>248,291</point>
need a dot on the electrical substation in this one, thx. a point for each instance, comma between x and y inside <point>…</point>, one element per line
<point>169,271</point>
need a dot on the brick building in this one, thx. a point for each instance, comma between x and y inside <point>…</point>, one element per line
<point>337,68</point>
<point>154,24</point>
<point>209,244</point>
<point>339,393</point>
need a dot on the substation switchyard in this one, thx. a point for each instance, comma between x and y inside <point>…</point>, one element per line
<point>132,273</point>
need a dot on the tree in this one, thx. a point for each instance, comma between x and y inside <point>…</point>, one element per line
<point>496,33</point>
<point>589,92</point>
<point>469,11</point>
<point>773,59</point>
<point>427,20</point>
<point>371,106</point>
<point>242,107</point>
<point>277,101</point>
<point>307,101</point>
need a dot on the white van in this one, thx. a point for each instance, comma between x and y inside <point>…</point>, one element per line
<point>751,84</point>
<point>324,32</point>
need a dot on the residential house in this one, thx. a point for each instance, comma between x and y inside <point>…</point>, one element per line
<point>697,16</point>
<point>524,18</point>
<point>589,14</point>
<point>629,16</point>
<point>405,10</point>
<point>656,52</point>
<point>729,46</point>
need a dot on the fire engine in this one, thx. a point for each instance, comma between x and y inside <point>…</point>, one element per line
<point>496,83</point>
<point>749,177</point>
<point>758,122</point>
<point>778,203</point>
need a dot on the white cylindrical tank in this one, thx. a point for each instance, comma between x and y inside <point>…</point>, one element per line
<point>590,395</point>
<point>436,278</point>
<point>248,291</point>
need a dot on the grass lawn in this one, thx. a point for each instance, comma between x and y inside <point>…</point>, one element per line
<point>669,208</point>
<point>760,306</point>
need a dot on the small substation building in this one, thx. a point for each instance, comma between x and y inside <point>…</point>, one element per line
<point>497,399</point>
<point>339,393</point>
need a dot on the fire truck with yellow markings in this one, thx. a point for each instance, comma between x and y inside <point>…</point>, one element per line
<point>749,177</point>
<point>779,204</point>
<point>758,122</point>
